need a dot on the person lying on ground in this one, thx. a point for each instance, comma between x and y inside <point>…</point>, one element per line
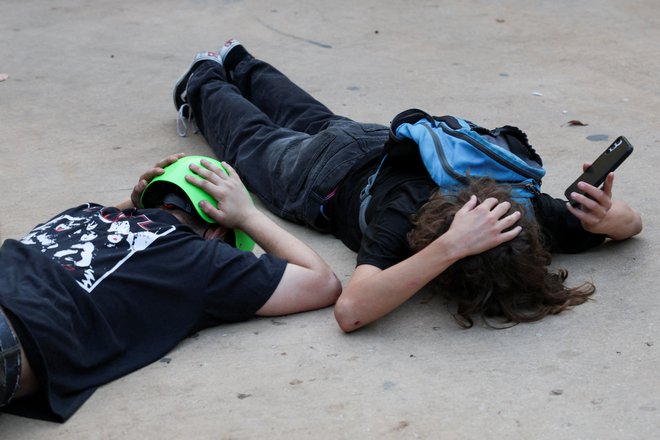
<point>310,166</point>
<point>97,291</point>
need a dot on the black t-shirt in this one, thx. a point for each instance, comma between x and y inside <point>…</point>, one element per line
<point>398,192</point>
<point>400,189</point>
<point>96,293</point>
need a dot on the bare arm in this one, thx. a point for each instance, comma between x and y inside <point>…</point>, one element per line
<point>602,215</point>
<point>126,204</point>
<point>308,282</point>
<point>372,293</point>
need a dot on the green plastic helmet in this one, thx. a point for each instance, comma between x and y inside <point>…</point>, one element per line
<point>173,180</point>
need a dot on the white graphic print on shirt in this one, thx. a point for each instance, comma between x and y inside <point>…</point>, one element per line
<point>92,243</point>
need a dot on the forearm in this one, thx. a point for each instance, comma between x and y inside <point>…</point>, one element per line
<point>373,293</point>
<point>621,222</point>
<point>277,241</point>
<point>308,283</point>
<point>126,204</point>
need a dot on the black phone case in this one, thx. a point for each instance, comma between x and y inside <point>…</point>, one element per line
<point>607,162</point>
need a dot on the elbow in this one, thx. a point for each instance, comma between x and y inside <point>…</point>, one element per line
<point>638,225</point>
<point>635,224</point>
<point>345,315</point>
<point>633,227</point>
<point>625,222</point>
<point>329,288</point>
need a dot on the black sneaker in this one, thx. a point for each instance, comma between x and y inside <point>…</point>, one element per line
<point>184,118</point>
<point>182,84</point>
<point>231,54</point>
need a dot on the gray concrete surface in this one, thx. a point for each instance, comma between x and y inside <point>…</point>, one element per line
<point>87,107</point>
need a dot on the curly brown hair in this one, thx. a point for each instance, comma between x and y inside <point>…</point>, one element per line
<point>512,280</point>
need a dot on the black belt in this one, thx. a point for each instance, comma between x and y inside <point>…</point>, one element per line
<point>10,360</point>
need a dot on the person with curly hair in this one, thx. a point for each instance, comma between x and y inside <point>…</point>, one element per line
<point>511,280</point>
<point>309,165</point>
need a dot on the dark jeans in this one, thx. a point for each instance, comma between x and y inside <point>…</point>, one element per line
<point>289,149</point>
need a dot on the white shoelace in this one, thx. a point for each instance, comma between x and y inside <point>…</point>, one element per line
<point>183,123</point>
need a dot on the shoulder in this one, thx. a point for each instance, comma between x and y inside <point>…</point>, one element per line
<point>384,242</point>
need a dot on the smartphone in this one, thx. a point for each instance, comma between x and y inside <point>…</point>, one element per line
<point>601,167</point>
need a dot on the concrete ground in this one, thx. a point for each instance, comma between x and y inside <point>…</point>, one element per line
<point>85,107</point>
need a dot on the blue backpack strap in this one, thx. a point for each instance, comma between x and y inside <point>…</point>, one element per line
<point>395,147</point>
<point>365,196</point>
<point>398,147</point>
<point>452,122</point>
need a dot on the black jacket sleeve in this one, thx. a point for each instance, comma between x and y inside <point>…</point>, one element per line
<point>562,231</point>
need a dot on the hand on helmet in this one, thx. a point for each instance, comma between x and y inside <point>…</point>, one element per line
<point>234,203</point>
<point>148,175</point>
